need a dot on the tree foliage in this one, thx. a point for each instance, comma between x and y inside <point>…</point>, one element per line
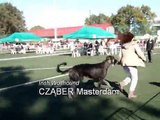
<point>37,27</point>
<point>97,19</point>
<point>11,19</point>
<point>135,19</point>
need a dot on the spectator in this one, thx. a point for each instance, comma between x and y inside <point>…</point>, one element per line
<point>96,47</point>
<point>149,48</point>
<point>85,47</point>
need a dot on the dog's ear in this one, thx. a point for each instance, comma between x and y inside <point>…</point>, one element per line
<point>115,61</point>
<point>111,60</point>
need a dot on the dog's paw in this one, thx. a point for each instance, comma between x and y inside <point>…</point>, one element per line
<point>64,63</point>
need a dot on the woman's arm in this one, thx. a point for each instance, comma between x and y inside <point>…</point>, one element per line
<point>139,52</point>
<point>120,56</point>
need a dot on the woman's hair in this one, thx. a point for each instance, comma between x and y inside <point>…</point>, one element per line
<point>125,37</point>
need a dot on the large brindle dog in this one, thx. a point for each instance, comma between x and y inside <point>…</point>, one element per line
<point>96,71</point>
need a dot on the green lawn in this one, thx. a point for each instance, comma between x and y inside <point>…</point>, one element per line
<point>25,103</point>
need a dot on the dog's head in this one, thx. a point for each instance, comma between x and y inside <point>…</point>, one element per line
<point>111,60</point>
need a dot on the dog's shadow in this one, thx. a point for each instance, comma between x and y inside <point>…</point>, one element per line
<point>113,85</point>
<point>89,84</point>
<point>116,86</point>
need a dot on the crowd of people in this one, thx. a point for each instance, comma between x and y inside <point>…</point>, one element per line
<point>96,47</point>
<point>38,48</point>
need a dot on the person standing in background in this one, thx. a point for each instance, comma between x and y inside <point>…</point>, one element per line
<point>149,48</point>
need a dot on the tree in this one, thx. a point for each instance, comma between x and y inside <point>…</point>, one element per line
<point>97,19</point>
<point>37,27</point>
<point>91,20</point>
<point>135,19</point>
<point>103,18</point>
<point>11,19</point>
<point>147,13</point>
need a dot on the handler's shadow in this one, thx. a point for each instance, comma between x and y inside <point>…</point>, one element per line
<point>155,83</point>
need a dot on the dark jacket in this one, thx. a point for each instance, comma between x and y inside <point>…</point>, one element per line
<point>149,45</point>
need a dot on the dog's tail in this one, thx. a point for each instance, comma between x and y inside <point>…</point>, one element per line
<point>59,70</point>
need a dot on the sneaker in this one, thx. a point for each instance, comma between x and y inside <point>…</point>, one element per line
<point>131,95</point>
<point>121,87</point>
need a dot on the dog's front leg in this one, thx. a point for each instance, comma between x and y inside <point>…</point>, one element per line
<point>73,94</point>
<point>100,83</point>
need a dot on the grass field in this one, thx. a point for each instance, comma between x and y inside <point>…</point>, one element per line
<point>25,103</point>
